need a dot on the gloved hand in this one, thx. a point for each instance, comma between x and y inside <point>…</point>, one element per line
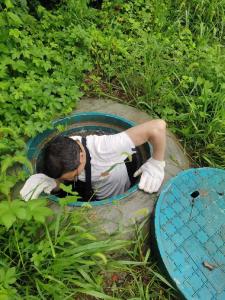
<point>152,175</point>
<point>35,185</point>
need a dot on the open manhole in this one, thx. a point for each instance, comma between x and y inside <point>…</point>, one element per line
<point>84,124</point>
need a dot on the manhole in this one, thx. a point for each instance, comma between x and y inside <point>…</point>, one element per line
<point>84,124</point>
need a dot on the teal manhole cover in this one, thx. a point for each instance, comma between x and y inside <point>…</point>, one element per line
<point>190,232</point>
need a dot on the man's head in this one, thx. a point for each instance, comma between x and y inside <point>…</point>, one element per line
<point>63,158</point>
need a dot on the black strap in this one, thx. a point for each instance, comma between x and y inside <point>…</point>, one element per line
<point>134,165</point>
<point>88,188</point>
<point>85,189</point>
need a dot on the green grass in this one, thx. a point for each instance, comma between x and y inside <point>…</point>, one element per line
<point>167,58</point>
<point>142,278</point>
<point>61,258</point>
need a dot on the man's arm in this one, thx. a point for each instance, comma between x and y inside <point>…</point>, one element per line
<point>153,131</point>
<point>152,171</point>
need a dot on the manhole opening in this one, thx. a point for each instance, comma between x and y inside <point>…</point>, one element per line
<point>85,123</point>
<point>142,153</point>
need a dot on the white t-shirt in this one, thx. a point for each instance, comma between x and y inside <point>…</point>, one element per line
<point>106,151</point>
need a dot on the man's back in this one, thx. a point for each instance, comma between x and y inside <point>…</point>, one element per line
<point>109,173</point>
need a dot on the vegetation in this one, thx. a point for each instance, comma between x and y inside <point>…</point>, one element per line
<point>165,57</point>
<point>63,259</point>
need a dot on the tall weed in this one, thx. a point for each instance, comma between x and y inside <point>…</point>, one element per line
<point>167,58</point>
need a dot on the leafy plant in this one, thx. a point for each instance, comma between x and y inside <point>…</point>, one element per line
<point>41,73</point>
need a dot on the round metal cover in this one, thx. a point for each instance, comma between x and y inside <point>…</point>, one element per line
<point>190,232</point>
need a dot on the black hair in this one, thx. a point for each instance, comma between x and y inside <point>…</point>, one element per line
<point>60,155</point>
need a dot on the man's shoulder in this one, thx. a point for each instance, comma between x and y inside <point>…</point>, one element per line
<point>76,137</point>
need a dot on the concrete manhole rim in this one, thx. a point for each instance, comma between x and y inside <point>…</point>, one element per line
<point>70,120</point>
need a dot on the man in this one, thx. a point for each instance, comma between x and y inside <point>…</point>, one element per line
<point>68,159</point>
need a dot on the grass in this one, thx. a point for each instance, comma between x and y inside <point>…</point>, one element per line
<point>142,279</point>
<point>173,68</point>
<point>64,259</point>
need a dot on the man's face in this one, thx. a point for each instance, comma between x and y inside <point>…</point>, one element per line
<point>70,176</point>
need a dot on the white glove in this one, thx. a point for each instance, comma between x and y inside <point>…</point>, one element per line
<point>152,175</point>
<point>35,185</point>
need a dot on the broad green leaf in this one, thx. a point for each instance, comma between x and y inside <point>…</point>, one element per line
<point>8,3</point>
<point>4,148</point>
<point>38,210</point>
<point>19,209</point>
<point>7,219</point>
<point>68,199</point>
<point>15,19</point>
<point>67,189</point>
<point>21,213</point>
<point>14,32</point>
<point>6,186</point>
<point>39,218</point>
<point>2,275</point>
<point>10,275</point>
<point>41,213</point>
<point>4,295</point>
<point>36,203</point>
<point>4,207</point>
